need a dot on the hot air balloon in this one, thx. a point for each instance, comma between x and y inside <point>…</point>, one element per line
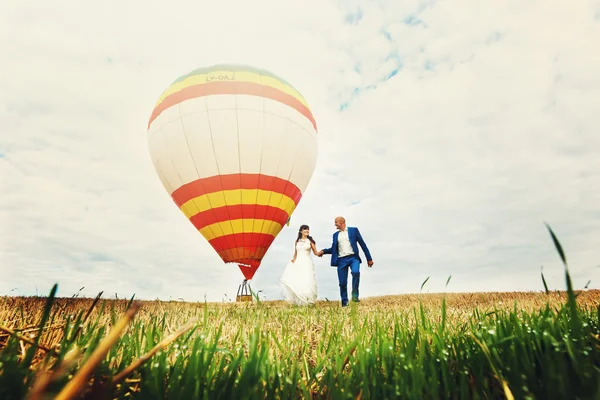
<point>235,147</point>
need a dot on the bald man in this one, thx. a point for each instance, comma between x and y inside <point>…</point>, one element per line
<point>344,256</point>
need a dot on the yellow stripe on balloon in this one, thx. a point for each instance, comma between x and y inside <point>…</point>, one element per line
<point>236,197</point>
<point>229,76</point>
<point>240,226</point>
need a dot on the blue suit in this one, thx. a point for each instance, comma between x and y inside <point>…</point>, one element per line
<point>352,261</point>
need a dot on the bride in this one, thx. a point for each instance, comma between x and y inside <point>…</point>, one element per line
<point>298,278</point>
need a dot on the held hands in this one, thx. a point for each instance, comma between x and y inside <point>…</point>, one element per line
<point>321,252</point>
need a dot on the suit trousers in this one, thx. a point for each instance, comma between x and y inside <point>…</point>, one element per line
<point>344,263</point>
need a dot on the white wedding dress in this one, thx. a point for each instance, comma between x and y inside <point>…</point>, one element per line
<point>298,279</point>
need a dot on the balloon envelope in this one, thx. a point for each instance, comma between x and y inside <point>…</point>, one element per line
<point>235,147</point>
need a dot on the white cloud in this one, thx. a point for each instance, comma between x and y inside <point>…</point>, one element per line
<point>463,128</point>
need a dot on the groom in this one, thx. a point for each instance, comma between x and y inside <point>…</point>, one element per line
<point>344,255</point>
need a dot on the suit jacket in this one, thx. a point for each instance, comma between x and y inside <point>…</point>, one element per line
<point>355,238</point>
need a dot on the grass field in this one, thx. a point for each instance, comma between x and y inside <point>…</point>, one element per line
<point>428,346</point>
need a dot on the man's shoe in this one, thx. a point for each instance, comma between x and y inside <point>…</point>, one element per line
<point>356,300</point>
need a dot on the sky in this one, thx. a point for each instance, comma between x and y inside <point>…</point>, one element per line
<point>449,132</point>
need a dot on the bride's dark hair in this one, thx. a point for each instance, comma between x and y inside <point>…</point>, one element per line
<point>303,227</point>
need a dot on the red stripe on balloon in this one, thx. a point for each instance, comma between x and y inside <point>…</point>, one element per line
<point>240,211</point>
<point>249,239</point>
<point>256,253</point>
<point>247,88</point>
<point>219,183</point>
